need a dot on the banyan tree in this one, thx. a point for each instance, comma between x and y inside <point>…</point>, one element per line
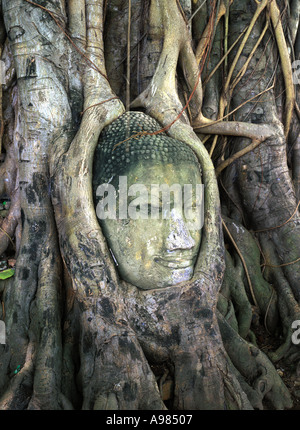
<point>146,313</point>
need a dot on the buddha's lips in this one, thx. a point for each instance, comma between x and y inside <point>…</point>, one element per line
<point>174,263</point>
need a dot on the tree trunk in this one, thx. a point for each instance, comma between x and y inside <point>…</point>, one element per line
<point>77,335</point>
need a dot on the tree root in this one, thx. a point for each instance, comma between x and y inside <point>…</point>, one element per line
<point>255,367</point>
<point>8,225</point>
<point>266,193</point>
<point>9,181</point>
<point>32,296</point>
<point>153,315</point>
<point>288,306</point>
<point>109,381</point>
<point>207,33</point>
<point>285,64</point>
<point>119,329</point>
<point>259,292</point>
<point>233,302</point>
<point>158,99</point>
<point>17,395</point>
<point>105,337</point>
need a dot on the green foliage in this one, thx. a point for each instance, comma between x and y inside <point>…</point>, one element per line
<point>8,273</point>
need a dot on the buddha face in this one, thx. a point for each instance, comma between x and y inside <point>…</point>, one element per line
<point>157,244</point>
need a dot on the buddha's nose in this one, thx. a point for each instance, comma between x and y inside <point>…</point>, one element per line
<point>179,237</point>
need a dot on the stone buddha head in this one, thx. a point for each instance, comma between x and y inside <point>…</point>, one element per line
<point>149,201</point>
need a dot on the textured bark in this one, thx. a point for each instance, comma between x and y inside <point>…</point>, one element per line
<point>78,336</point>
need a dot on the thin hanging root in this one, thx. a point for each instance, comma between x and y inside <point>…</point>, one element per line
<point>285,64</point>
<point>283,264</point>
<point>223,59</point>
<point>257,132</point>
<point>297,109</point>
<point>7,235</point>
<point>281,225</point>
<point>163,84</point>
<point>226,32</point>
<point>242,71</point>
<point>227,90</point>
<point>208,31</point>
<point>181,11</point>
<point>237,155</point>
<point>260,7</point>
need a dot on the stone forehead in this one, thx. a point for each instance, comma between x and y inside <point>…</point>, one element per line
<point>120,146</point>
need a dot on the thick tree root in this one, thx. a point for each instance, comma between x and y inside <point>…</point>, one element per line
<point>113,331</point>
<point>10,226</point>
<point>265,189</point>
<point>259,292</point>
<point>30,371</point>
<point>233,302</point>
<point>154,316</point>
<point>288,306</point>
<point>256,368</point>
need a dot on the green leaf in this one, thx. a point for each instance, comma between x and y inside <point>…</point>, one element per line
<point>7,273</point>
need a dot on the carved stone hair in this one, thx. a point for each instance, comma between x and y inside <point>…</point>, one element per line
<point>121,146</point>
